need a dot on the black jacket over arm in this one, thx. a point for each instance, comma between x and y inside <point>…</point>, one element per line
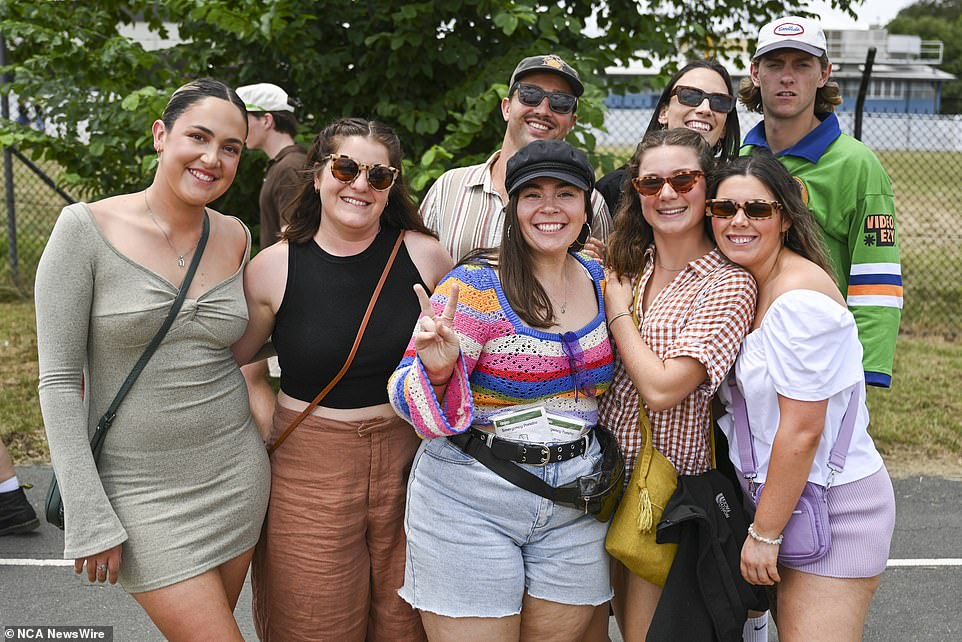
<point>705,597</point>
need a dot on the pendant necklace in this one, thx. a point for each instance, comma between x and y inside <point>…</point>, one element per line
<point>181,262</point>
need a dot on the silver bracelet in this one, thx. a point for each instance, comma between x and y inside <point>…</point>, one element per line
<point>618,316</point>
<point>764,540</point>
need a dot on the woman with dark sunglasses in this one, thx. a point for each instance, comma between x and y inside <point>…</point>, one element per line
<point>678,312</point>
<point>699,96</point>
<point>798,371</point>
<point>508,360</point>
<point>331,556</point>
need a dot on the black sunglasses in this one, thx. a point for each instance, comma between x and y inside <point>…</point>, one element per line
<point>346,170</point>
<point>558,101</point>
<point>692,97</point>
<point>755,209</point>
<point>682,181</point>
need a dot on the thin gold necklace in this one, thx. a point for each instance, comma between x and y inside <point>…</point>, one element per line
<point>181,262</point>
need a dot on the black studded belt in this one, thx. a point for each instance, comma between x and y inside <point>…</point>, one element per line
<point>525,453</point>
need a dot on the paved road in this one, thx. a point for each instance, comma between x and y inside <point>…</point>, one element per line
<point>915,603</point>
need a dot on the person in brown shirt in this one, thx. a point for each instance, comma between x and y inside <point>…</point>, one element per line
<point>271,129</point>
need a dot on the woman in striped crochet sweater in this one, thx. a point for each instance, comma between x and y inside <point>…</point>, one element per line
<point>520,327</point>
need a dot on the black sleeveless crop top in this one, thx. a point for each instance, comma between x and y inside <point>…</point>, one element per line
<point>318,319</point>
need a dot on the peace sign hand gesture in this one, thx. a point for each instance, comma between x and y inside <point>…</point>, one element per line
<point>437,344</point>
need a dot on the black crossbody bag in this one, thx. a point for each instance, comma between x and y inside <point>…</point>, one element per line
<point>596,494</point>
<point>54,504</point>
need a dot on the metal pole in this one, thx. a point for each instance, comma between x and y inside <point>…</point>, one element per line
<point>8,169</point>
<point>862,90</point>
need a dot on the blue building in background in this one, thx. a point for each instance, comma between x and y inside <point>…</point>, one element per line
<point>904,76</point>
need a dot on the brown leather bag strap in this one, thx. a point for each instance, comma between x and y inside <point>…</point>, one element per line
<point>350,357</point>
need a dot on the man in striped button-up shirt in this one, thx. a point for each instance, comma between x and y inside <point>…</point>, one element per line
<point>465,205</point>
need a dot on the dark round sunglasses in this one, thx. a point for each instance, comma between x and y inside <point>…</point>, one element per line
<point>692,97</point>
<point>558,101</point>
<point>682,181</point>
<point>756,209</point>
<point>346,170</point>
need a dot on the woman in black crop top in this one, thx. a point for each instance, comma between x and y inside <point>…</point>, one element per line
<point>331,556</point>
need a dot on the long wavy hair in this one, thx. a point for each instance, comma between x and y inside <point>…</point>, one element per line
<point>633,234</point>
<point>304,213</point>
<point>827,97</point>
<point>804,235</point>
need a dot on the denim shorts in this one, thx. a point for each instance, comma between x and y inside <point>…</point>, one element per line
<point>477,543</point>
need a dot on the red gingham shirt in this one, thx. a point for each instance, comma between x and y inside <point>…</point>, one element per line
<point>704,313</point>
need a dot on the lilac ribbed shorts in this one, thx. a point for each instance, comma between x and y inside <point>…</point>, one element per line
<point>861,515</point>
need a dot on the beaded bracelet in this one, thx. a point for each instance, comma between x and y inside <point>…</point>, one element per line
<point>764,540</point>
<point>618,316</point>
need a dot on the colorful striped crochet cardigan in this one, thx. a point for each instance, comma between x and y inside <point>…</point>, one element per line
<point>504,363</point>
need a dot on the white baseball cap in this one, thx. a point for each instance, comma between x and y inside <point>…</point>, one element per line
<point>264,97</point>
<point>791,32</point>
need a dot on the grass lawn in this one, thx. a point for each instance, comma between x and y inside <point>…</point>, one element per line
<point>917,424</point>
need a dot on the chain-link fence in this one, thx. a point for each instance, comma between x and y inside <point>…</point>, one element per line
<point>922,154</point>
<point>32,201</point>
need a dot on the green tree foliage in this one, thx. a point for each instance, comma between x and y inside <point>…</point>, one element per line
<point>435,70</point>
<point>937,20</point>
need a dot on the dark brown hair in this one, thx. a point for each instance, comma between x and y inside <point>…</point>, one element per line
<point>521,288</point>
<point>827,97</point>
<point>196,91</point>
<point>304,213</point>
<point>632,234</point>
<point>284,121</point>
<point>804,236</point>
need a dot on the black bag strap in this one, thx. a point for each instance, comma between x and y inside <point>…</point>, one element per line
<point>108,417</point>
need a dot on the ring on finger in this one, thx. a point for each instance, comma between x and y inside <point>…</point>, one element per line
<point>444,316</point>
<point>102,568</point>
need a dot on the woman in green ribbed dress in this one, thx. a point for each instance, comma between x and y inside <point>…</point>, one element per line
<point>177,503</point>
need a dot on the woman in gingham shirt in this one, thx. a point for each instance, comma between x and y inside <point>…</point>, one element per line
<point>677,310</point>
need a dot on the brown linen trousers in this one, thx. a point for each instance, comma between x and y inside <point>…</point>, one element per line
<point>331,554</point>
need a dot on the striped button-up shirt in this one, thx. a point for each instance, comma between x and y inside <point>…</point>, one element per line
<point>467,212</point>
<point>704,313</point>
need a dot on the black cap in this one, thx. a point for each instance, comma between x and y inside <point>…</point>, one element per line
<point>549,158</point>
<point>551,64</point>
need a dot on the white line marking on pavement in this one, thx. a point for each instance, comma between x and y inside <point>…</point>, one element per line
<point>925,562</point>
<point>24,562</point>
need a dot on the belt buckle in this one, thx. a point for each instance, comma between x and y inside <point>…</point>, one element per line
<point>545,457</point>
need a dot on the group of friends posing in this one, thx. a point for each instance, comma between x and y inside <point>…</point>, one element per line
<point>518,285</point>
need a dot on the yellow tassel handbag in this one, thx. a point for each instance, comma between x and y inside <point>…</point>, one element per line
<point>631,537</point>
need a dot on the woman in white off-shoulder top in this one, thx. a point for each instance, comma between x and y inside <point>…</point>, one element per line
<point>798,370</point>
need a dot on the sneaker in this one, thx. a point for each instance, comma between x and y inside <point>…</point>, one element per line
<point>16,513</point>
